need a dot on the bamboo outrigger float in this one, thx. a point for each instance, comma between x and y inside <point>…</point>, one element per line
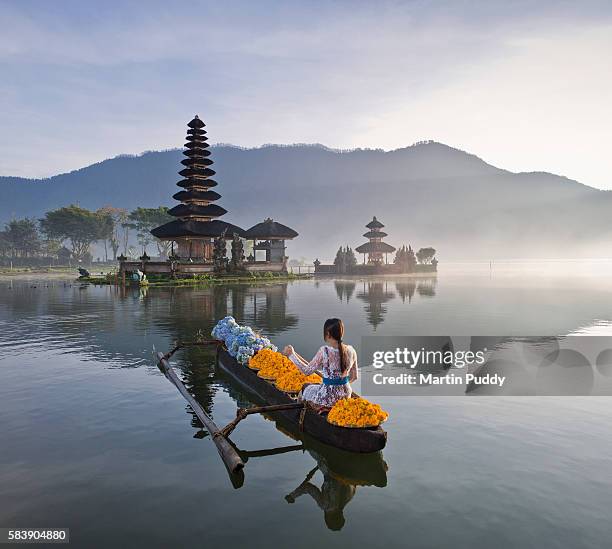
<point>227,451</point>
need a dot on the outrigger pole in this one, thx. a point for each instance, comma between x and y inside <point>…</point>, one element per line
<point>229,454</point>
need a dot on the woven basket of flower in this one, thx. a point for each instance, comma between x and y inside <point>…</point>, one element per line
<point>267,375</point>
<point>356,425</point>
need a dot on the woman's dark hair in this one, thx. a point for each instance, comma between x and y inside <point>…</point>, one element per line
<point>334,328</point>
<point>334,519</point>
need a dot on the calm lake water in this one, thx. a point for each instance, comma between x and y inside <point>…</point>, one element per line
<point>94,438</point>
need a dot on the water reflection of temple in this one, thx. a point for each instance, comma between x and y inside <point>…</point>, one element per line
<point>185,312</point>
<point>189,310</point>
<point>345,289</point>
<point>375,294</point>
<point>425,287</point>
<point>406,290</point>
<point>266,309</point>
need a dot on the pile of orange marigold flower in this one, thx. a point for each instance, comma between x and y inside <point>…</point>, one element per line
<point>294,380</point>
<point>271,365</point>
<point>261,358</point>
<point>356,412</point>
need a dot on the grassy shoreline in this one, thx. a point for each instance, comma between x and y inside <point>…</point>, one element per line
<point>6,271</point>
<point>199,280</point>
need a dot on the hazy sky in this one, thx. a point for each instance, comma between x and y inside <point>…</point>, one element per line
<point>527,86</point>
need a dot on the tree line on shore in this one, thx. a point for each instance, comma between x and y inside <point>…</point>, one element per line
<point>70,231</point>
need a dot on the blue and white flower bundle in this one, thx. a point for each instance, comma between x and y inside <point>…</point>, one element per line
<point>241,341</point>
<point>224,327</point>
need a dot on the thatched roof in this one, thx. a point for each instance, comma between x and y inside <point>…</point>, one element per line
<point>196,152</point>
<point>374,224</point>
<point>269,229</point>
<point>187,183</point>
<point>196,122</point>
<point>195,131</point>
<point>193,194</point>
<point>375,234</point>
<point>202,172</point>
<point>198,161</point>
<point>373,247</point>
<point>193,228</point>
<point>196,145</point>
<point>184,210</point>
<point>195,138</point>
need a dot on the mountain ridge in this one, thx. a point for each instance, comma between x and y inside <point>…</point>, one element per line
<point>427,194</point>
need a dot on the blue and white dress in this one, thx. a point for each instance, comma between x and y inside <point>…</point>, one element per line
<point>334,386</point>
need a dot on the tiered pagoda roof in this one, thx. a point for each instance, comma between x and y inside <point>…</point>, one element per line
<point>375,234</point>
<point>374,224</point>
<point>192,228</point>
<point>375,247</point>
<point>196,214</point>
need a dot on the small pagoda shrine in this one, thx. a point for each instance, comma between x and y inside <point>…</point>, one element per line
<point>269,237</point>
<point>196,225</point>
<point>375,248</point>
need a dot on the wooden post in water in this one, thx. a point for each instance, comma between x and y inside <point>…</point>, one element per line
<point>228,453</point>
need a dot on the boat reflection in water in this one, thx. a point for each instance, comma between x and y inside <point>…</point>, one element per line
<point>332,497</point>
<point>341,477</point>
<point>343,472</point>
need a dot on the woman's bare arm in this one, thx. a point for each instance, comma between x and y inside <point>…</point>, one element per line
<point>306,367</point>
<point>353,372</point>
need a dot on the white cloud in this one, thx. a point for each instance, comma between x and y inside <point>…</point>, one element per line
<point>524,87</point>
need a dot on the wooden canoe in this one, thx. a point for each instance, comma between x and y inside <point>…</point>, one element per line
<point>316,425</point>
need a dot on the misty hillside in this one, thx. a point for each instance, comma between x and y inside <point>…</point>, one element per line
<point>427,194</point>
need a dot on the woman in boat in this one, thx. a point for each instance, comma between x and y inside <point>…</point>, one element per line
<point>335,361</point>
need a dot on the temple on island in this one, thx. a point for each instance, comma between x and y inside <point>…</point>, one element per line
<point>375,248</point>
<point>196,225</point>
<point>199,239</point>
<point>406,261</point>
